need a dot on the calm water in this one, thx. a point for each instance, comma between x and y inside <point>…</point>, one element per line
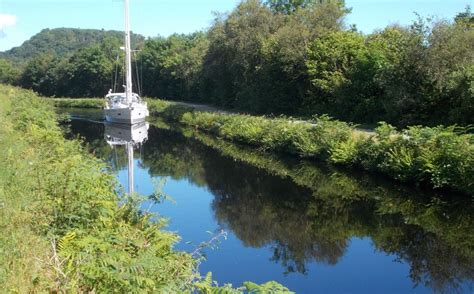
<point>312,228</point>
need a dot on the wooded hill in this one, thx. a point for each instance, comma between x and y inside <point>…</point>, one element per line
<point>62,42</point>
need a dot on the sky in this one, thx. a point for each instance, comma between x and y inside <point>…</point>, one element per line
<point>21,19</point>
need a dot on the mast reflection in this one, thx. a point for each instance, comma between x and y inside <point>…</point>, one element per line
<point>130,136</point>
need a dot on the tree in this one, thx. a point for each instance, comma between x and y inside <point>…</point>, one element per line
<point>8,74</point>
<point>172,66</point>
<point>290,6</point>
<point>88,74</point>
<point>330,63</point>
<point>38,75</point>
<point>466,17</point>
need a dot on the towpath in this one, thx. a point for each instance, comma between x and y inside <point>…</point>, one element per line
<point>209,108</point>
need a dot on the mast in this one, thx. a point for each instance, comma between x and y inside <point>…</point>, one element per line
<point>128,57</point>
<point>130,168</point>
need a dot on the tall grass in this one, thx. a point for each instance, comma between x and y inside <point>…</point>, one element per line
<point>67,229</point>
<point>79,102</point>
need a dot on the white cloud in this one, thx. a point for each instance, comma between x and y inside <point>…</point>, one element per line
<point>6,20</point>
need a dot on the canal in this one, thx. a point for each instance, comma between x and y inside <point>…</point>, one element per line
<point>308,226</point>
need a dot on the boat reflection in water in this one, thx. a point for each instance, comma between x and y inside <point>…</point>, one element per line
<point>130,136</point>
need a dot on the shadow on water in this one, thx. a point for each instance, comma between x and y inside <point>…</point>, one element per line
<point>306,213</point>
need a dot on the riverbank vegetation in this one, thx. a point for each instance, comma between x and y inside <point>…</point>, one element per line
<point>296,58</point>
<point>63,225</point>
<point>79,102</point>
<point>438,157</point>
<point>65,228</point>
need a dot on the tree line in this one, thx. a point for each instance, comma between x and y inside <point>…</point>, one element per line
<point>291,57</point>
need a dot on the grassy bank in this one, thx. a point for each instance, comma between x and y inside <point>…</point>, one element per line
<point>437,157</point>
<point>65,228</point>
<point>63,225</point>
<point>78,102</point>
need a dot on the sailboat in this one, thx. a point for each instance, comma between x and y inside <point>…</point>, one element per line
<point>126,107</point>
<point>130,136</point>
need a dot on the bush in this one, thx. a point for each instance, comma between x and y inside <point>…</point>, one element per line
<point>79,103</point>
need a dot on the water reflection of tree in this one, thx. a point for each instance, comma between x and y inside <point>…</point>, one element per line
<point>319,228</point>
<point>306,213</point>
<point>263,210</point>
<point>433,262</point>
<point>166,153</point>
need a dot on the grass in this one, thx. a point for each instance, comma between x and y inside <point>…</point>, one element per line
<point>23,253</point>
<point>78,102</point>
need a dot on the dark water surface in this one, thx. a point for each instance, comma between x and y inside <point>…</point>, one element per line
<point>312,228</point>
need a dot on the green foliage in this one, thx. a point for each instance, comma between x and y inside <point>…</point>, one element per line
<point>171,66</point>
<point>8,74</point>
<point>256,58</point>
<point>290,6</point>
<point>208,286</point>
<point>38,74</point>
<point>78,103</point>
<point>343,49</point>
<point>88,74</point>
<point>269,287</point>
<point>441,156</point>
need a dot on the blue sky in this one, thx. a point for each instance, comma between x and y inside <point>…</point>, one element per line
<point>21,19</point>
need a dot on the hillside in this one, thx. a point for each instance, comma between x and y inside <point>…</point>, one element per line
<point>62,41</point>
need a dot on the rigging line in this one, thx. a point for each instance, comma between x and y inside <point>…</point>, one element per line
<point>116,73</point>
<point>138,77</point>
<point>141,74</point>
<point>124,76</point>
<point>112,80</point>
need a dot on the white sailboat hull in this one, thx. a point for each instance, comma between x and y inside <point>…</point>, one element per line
<point>126,115</point>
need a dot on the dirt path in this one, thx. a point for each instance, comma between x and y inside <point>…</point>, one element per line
<point>202,107</point>
<point>208,108</point>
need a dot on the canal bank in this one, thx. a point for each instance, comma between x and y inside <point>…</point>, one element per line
<point>64,227</point>
<point>437,158</point>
